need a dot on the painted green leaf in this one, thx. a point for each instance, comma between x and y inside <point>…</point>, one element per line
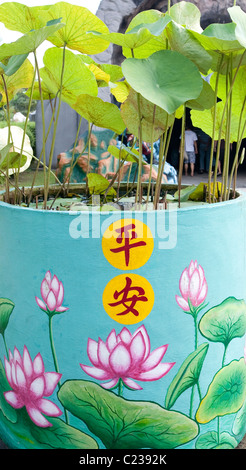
<point>78,21</point>
<point>77,78</point>
<point>187,375</point>
<point>19,17</point>
<point>22,78</point>
<point>29,42</point>
<point>155,43</point>
<point>6,308</point>
<point>131,117</point>
<point>99,112</point>
<point>211,440</point>
<point>125,153</point>
<point>226,393</point>
<point>181,40</point>
<point>238,16</point>
<point>239,425</point>
<point>8,411</point>
<point>224,322</point>
<point>161,82</point>
<point>98,184</point>
<point>125,424</point>
<point>186,14</point>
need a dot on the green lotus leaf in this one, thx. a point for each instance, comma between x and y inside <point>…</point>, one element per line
<point>9,413</point>
<point>125,424</point>
<point>156,42</point>
<point>77,78</point>
<point>226,393</point>
<point>211,440</point>
<point>6,307</point>
<point>98,184</point>
<point>125,153</point>
<point>13,64</point>
<point>12,162</point>
<point>187,375</point>
<point>19,17</point>
<point>78,20</point>
<point>99,112</point>
<point>181,40</point>
<point>238,16</point>
<point>168,79</point>
<point>219,37</point>
<point>22,78</point>
<point>205,100</point>
<point>131,117</point>
<point>186,14</point>
<point>224,322</point>
<point>29,42</point>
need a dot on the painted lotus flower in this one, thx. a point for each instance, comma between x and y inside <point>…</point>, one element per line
<point>30,383</point>
<point>126,357</point>
<point>52,292</point>
<point>193,287</point>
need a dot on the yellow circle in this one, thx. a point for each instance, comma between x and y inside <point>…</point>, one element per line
<point>128,298</point>
<point>127,244</point>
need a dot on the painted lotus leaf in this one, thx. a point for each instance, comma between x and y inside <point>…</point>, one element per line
<point>187,375</point>
<point>224,322</point>
<point>161,78</point>
<point>77,78</point>
<point>22,78</point>
<point>125,424</point>
<point>186,14</point>
<point>226,393</point>
<point>155,43</point>
<point>78,21</point>
<point>19,17</point>
<point>148,112</point>
<point>211,440</point>
<point>238,16</point>
<point>239,425</point>
<point>99,112</point>
<point>8,411</point>
<point>181,40</point>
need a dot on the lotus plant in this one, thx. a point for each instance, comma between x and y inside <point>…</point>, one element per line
<point>30,383</point>
<point>124,358</point>
<point>193,287</point>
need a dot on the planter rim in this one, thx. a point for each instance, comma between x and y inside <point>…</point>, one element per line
<point>196,207</point>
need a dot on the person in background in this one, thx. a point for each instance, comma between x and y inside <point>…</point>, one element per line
<point>204,148</point>
<point>191,151</point>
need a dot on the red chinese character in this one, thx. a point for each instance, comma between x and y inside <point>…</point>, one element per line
<point>140,297</point>
<point>127,238</point>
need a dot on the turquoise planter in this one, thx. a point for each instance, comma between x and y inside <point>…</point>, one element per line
<point>123,333</point>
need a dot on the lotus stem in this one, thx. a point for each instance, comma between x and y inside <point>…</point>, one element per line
<point>140,139</point>
<point>152,153</point>
<point>181,158</point>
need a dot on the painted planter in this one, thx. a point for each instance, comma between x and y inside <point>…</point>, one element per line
<point>123,333</point>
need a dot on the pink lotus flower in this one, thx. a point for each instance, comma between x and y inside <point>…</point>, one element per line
<point>30,383</point>
<point>193,286</point>
<point>52,292</point>
<point>126,357</point>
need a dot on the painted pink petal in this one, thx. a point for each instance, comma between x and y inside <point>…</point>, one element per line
<point>41,304</point>
<point>184,284</point>
<point>203,293</point>
<point>92,352</point>
<point>44,290</point>
<point>103,355</point>
<point>37,388</point>
<point>125,336</point>
<point>137,349</point>
<point>14,399</point>
<point>96,373</point>
<point>111,384</point>
<point>8,371</point>
<point>37,417</point>
<point>143,330</point>
<point>51,301</point>
<point>48,407</point>
<point>120,360</point>
<point>61,309</point>
<point>192,267</point>
<point>55,286</point>
<point>51,380</point>
<point>111,341</point>
<point>182,303</point>
<point>20,377</point>
<point>17,357</point>
<point>60,296</point>
<point>154,374</point>
<point>13,375</point>
<point>38,365</point>
<point>131,384</point>
<point>27,363</point>
<point>194,287</point>
<point>48,277</point>
<point>154,358</point>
